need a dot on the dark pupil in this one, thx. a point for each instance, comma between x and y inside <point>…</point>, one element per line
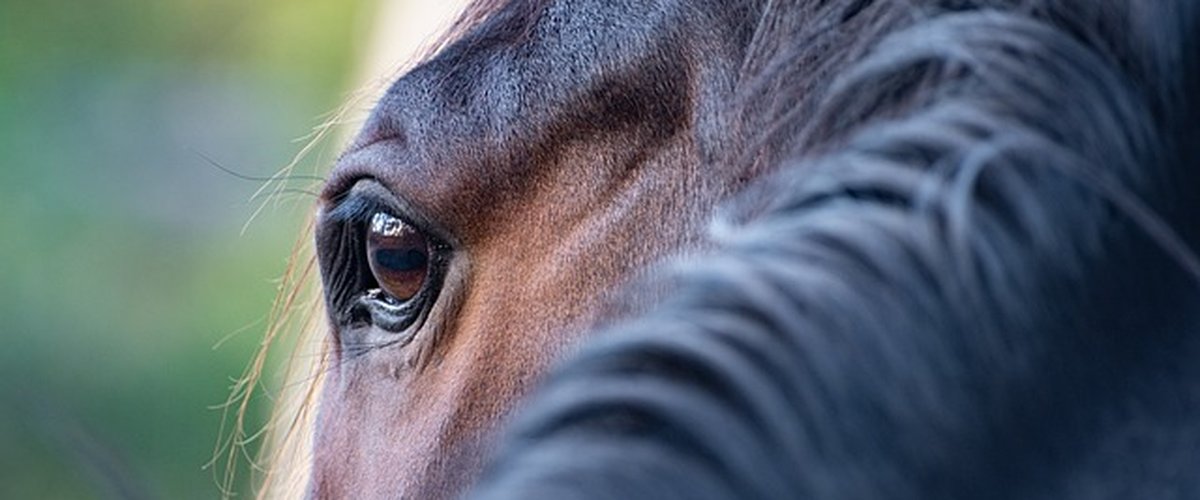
<point>401,260</point>
<point>398,255</point>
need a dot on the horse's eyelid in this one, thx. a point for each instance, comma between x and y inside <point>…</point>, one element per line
<point>358,209</point>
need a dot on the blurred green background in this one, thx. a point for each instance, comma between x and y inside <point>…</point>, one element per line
<point>122,257</point>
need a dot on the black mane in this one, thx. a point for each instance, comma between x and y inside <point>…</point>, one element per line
<point>970,278</point>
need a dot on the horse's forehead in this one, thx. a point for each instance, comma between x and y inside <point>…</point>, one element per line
<point>482,127</point>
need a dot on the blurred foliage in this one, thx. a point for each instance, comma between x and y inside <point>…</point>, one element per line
<point>122,257</point>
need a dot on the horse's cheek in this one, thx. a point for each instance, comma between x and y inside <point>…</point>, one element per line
<point>359,430</point>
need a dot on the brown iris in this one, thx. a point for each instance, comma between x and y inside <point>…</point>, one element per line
<point>398,255</point>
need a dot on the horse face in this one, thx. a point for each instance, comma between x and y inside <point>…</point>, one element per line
<point>496,198</point>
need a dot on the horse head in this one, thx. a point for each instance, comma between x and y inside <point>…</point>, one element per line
<point>933,299</point>
<point>490,210</point>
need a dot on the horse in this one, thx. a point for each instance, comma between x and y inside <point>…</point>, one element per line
<point>934,248</point>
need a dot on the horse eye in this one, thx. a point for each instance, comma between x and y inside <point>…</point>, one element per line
<point>398,255</point>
